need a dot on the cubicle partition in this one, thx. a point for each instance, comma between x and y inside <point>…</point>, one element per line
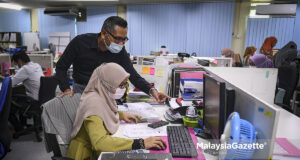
<point>262,115</point>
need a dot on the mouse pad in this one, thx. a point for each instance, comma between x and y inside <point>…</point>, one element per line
<point>194,138</point>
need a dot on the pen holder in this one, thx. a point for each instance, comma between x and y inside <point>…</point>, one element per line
<point>190,123</point>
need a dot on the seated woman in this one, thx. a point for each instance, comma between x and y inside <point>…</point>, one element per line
<point>248,53</point>
<point>98,117</point>
<point>260,61</point>
<point>267,47</point>
<point>228,53</point>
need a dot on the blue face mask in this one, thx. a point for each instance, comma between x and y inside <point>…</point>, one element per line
<point>113,47</point>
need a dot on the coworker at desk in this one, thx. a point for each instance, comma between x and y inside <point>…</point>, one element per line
<point>260,61</point>
<point>248,53</point>
<point>98,117</point>
<point>163,51</point>
<point>88,51</point>
<point>228,53</point>
<point>267,47</point>
<point>29,74</point>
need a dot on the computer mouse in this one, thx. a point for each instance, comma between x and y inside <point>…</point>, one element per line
<point>157,149</point>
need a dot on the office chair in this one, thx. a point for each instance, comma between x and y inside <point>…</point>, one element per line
<point>59,113</point>
<point>288,78</point>
<point>5,100</point>
<point>31,108</point>
<point>238,60</point>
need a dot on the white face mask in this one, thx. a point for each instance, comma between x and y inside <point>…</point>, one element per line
<point>119,93</point>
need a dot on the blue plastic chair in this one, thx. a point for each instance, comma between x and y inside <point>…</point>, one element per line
<point>5,97</point>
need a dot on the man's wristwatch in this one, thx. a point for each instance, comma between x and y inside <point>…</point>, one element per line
<point>150,91</point>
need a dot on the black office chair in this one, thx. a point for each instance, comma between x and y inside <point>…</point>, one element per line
<point>288,72</point>
<point>32,108</point>
<point>5,101</point>
<point>288,78</point>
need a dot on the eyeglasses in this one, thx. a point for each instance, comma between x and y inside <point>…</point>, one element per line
<point>119,39</point>
<point>124,85</point>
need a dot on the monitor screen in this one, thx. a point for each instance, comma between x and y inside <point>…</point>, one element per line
<point>214,106</point>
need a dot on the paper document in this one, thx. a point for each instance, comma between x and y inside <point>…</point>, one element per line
<point>143,109</point>
<point>142,130</point>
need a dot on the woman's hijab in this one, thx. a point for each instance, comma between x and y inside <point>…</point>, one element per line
<point>95,99</point>
<point>248,53</point>
<point>267,46</point>
<point>261,61</point>
<point>227,52</point>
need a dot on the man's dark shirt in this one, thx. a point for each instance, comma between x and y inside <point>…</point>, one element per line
<point>84,54</point>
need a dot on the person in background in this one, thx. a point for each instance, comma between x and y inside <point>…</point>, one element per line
<point>267,47</point>
<point>98,117</point>
<point>228,53</point>
<point>250,51</point>
<point>163,51</point>
<point>88,51</point>
<point>260,61</point>
<point>28,74</point>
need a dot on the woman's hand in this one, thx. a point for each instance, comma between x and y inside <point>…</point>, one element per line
<point>155,142</point>
<point>129,117</point>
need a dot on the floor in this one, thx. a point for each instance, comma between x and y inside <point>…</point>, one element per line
<point>27,148</point>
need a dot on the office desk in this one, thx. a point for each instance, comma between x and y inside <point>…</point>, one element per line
<point>161,109</point>
<point>289,127</point>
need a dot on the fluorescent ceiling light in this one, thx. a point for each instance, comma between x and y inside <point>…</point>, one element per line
<point>10,6</point>
<point>256,4</point>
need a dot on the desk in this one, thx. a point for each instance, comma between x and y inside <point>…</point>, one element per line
<point>161,109</point>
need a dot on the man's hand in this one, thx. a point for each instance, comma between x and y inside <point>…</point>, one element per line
<point>67,91</point>
<point>129,117</point>
<point>159,97</point>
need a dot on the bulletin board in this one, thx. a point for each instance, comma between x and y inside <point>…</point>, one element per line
<point>154,74</point>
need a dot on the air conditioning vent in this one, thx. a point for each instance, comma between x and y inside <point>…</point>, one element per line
<point>61,11</point>
<point>276,9</point>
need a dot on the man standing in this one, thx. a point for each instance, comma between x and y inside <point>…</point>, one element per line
<point>88,51</point>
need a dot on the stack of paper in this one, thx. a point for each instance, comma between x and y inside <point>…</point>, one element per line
<point>143,109</point>
<point>142,130</point>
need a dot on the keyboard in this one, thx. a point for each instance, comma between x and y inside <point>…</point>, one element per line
<point>180,142</point>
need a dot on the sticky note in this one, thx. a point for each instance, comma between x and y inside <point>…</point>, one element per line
<point>159,73</point>
<point>260,109</point>
<point>145,70</point>
<point>160,89</point>
<point>215,61</point>
<point>268,114</point>
<point>267,74</point>
<point>152,71</point>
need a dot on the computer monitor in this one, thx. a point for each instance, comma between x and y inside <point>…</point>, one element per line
<point>214,105</point>
<point>230,102</point>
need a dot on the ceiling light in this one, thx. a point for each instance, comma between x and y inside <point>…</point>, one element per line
<point>256,4</point>
<point>10,6</point>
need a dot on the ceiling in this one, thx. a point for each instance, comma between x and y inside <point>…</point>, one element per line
<point>29,4</point>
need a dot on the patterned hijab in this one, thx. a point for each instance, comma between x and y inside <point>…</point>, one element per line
<point>268,44</point>
<point>95,99</point>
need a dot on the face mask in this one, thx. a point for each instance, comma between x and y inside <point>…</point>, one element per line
<point>113,47</point>
<point>119,93</point>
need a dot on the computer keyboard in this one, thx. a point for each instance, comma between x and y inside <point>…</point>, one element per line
<point>180,142</point>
